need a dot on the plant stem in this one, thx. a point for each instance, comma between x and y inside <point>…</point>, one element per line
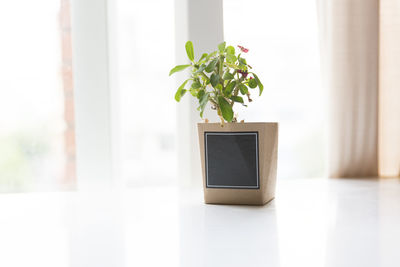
<point>221,118</point>
<point>221,65</point>
<point>213,102</point>
<point>236,91</point>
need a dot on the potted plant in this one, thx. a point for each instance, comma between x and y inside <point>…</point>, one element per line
<point>238,159</point>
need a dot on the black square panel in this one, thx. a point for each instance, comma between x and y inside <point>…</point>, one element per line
<point>231,160</point>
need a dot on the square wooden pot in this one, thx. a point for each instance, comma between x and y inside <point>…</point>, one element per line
<point>238,162</point>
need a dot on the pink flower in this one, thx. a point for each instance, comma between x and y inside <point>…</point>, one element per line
<point>244,73</point>
<point>244,50</point>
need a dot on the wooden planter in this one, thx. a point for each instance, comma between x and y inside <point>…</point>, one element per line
<point>238,162</point>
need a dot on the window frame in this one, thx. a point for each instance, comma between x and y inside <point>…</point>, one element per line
<point>97,94</point>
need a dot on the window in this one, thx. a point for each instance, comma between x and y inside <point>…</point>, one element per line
<point>37,147</point>
<point>148,112</point>
<point>283,40</point>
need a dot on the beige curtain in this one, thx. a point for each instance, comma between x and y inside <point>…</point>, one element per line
<point>360,48</point>
<point>389,88</point>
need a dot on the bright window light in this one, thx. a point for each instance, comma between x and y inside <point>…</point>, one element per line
<point>282,37</point>
<point>145,45</point>
<point>36,102</point>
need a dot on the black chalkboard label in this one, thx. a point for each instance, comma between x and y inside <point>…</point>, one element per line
<point>231,160</point>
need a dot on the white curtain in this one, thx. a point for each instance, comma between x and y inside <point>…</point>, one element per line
<point>360,45</point>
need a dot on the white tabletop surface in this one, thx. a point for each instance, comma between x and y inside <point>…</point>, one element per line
<point>312,222</point>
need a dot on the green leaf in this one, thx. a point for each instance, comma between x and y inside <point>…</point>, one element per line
<point>196,85</point>
<point>189,50</point>
<point>200,94</point>
<point>238,99</point>
<point>211,55</point>
<point>214,79</point>
<point>221,47</point>
<point>211,66</point>
<point>205,78</point>
<point>258,83</point>
<point>178,68</point>
<point>226,109</point>
<point>179,92</point>
<point>219,87</point>
<point>200,69</point>
<point>231,58</point>
<point>203,56</point>
<point>203,102</point>
<point>230,50</point>
<point>243,67</point>
<point>194,92</point>
<point>229,88</point>
<point>242,61</point>
<point>243,89</point>
<point>252,83</point>
<point>233,66</point>
<point>228,76</point>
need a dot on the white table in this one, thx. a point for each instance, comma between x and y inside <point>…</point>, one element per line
<point>312,222</point>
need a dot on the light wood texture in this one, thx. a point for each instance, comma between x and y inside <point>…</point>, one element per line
<point>268,152</point>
